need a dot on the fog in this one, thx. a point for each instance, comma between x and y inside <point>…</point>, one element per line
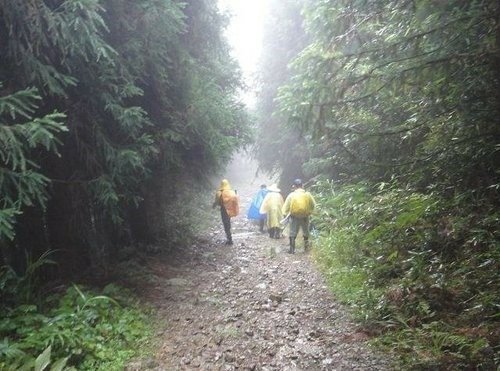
<point>242,172</point>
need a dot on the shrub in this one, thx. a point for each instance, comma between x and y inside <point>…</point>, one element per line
<point>419,268</point>
<point>88,330</point>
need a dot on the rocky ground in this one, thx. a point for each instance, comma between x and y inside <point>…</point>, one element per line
<point>251,306</point>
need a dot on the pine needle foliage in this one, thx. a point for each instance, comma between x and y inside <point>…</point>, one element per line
<point>131,107</point>
<point>21,182</point>
<point>401,89</point>
<point>148,89</point>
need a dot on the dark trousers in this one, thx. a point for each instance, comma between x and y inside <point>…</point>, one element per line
<point>226,222</point>
<point>297,223</point>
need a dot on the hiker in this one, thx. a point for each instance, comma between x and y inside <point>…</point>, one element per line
<point>299,204</point>
<point>271,206</point>
<point>227,199</point>
<point>254,209</point>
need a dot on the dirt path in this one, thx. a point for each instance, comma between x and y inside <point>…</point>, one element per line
<point>251,306</point>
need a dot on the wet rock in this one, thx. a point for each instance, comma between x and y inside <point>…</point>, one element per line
<point>265,307</point>
<point>229,357</point>
<point>177,282</point>
<point>261,286</point>
<point>218,339</point>
<point>276,297</point>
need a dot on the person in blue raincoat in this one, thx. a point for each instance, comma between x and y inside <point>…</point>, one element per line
<point>253,210</point>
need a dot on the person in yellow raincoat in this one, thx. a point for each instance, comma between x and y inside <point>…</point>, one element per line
<point>227,199</point>
<point>272,205</point>
<point>299,205</point>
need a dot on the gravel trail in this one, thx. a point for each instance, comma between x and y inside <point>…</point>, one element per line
<point>250,306</point>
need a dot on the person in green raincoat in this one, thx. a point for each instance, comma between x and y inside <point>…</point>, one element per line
<point>272,206</point>
<point>227,199</point>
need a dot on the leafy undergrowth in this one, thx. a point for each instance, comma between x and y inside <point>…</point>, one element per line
<point>421,272</point>
<point>79,328</point>
<point>83,327</point>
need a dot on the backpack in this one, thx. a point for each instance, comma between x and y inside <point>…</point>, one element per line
<point>231,202</point>
<point>300,204</point>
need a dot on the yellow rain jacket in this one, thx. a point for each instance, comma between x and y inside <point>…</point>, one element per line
<point>227,197</point>
<point>272,204</point>
<point>299,203</point>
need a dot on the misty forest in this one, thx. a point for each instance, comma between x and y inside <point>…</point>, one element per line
<point>118,120</point>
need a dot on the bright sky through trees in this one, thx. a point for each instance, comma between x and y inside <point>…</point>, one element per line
<point>245,36</point>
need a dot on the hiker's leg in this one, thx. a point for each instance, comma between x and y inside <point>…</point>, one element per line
<point>226,222</point>
<point>305,231</point>
<point>293,233</point>
<point>262,221</point>
<point>277,233</point>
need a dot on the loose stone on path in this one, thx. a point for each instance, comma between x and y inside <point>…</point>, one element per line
<point>241,307</point>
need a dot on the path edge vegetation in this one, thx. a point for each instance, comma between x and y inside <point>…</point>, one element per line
<point>389,111</point>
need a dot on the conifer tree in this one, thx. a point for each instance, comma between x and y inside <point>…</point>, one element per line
<point>400,89</point>
<point>280,148</point>
<point>148,90</point>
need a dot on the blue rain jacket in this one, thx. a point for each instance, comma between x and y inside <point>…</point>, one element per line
<point>253,211</point>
